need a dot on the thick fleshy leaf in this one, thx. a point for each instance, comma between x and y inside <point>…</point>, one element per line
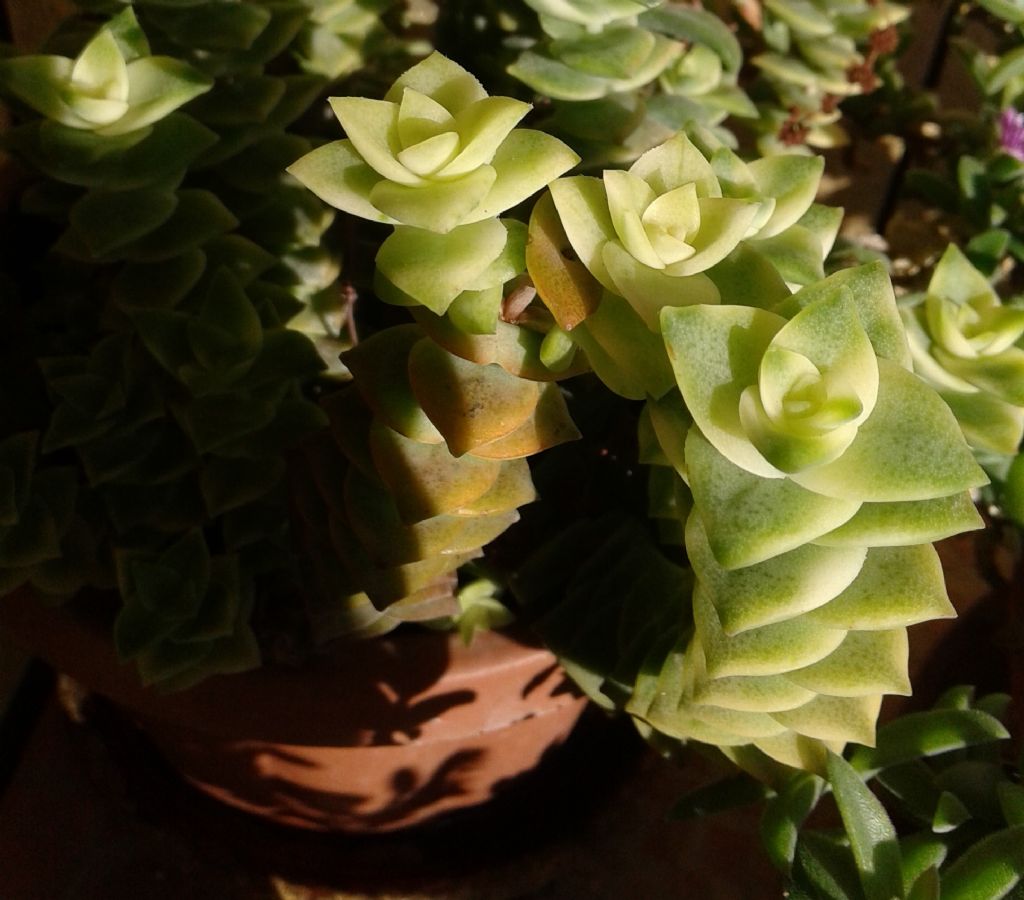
<point>372,128</point>
<point>839,719</point>
<point>906,522</point>
<point>482,128</point>
<point>649,290</point>
<point>425,479</point>
<point>908,449</point>
<point>108,220</point>
<point>436,205</point>
<point>761,693</point>
<point>723,223</point>
<point>746,278</point>
<point>872,835</point>
<point>870,292</point>
<point>867,662</point>
<point>750,519</point>
<point>769,650</point>
<point>158,86</point>
<point>623,352</point>
<point>671,422</point>
<point>990,868</point>
<point>792,181</point>
<point>775,590</point>
<point>40,82</point>
<point>552,78</point>
<point>1001,375</point>
<point>442,80</point>
<point>987,422</point>
<point>477,312</point>
<point>511,489</point>
<point>583,209</point>
<point>470,404</point>
<point>785,813</point>
<point>435,268</point>
<point>375,520</point>
<point>526,162</point>
<point>517,350</point>
<point>796,254</point>
<point>563,283</point>
<point>338,175</point>
<point>897,586</point>
<point>100,70</point>
<point>918,735</point>
<point>380,367</point>
<point>674,163</point>
<point>549,425</point>
<point>715,353</point>
<point>613,52</point>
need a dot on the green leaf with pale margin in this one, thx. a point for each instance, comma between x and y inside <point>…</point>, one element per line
<point>929,733</point>
<point>989,869</point>
<point>785,813</point>
<point>871,832</point>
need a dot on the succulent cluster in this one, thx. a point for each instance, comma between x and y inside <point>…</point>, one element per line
<point>814,55</point>
<point>430,443</point>
<point>160,337</point>
<point>203,430</point>
<point>802,464</point>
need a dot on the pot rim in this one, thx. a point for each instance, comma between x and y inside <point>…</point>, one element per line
<point>361,693</point>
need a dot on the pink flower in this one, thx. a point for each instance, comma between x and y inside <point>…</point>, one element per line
<point>1011,132</point>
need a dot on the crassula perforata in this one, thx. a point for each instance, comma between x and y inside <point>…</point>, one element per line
<point>440,159</point>
<point>964,343</point>
<point>113,87</point>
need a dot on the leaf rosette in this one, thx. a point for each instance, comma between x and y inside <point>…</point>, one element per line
<point>650,232</point>
<point>436,153</point>
<point>113,87</point>
<point>816,415</point>
<point>964,343</point>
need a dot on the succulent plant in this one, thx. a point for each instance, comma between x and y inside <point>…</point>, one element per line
<point>113,87</point>
<point>816,466</point>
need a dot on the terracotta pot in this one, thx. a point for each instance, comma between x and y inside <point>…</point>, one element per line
<point>380,735</point>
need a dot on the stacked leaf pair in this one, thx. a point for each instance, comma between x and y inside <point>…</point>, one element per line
<point>820,466</point>
<point>434,434</point>
<point>174,384</point>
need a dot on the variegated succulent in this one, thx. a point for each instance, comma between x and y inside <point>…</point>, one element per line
<point>433,451</point>
<point>803,464</point>
<point>820,468</point>
<point>963,340</point>
<point>195,305</point>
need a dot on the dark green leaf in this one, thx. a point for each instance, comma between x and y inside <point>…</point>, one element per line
<point>737,790</point>
<point>950,813</point>
<point>989,870</point>
<point>825,866</point>
<point>920,853</point>
<point>926,887</point>
<point>927,734</point>
<point>159,284</point>
<point>199,216</point>
<point>871,832</point>
<point>109,220</point>
<point>785,813</point>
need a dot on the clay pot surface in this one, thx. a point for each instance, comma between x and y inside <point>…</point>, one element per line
<point>378,735</point>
